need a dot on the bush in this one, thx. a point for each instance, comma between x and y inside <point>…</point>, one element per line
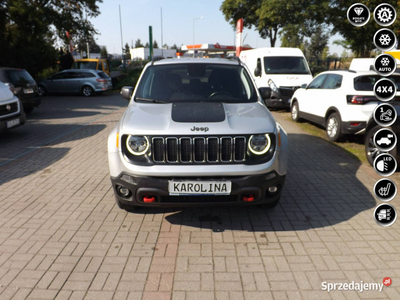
<point>46,73</point>
<point>129,79</point>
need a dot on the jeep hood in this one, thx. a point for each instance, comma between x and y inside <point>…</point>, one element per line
<point>159,119</point>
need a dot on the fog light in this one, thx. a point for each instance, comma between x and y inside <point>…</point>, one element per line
<point>272,189</point>
<point>129,179</point>
<point>123,191</point>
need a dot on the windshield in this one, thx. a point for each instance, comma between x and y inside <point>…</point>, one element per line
<point>196,82</point>
<point>85,65</point>
<point>285,65</point>
<point>20,77</point>
<point>366,83</point>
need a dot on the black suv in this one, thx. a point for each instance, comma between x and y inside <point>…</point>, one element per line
<point>370,149</point>
<point>23,86</point>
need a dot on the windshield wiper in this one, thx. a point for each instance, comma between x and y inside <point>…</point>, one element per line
<point>149,100</point>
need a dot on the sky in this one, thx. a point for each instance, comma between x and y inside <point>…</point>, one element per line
<point>177,24</point>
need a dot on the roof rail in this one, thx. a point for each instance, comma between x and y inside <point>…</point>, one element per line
<point>345,70</point>
<point>234,58</point>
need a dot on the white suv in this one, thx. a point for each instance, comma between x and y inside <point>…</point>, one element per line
<point>196,132</point>
<point>341,101</point>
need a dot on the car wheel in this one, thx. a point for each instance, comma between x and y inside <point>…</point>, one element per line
<point>371,151</point>
<point>295,111</point>
<point>334,127</point>
<point>42,90</point>
<point>87,91</point>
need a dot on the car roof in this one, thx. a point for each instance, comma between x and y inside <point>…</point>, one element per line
<point>190,60</point>
<point>352,72</point>
<point>8,68</point>
<point>78,70</point>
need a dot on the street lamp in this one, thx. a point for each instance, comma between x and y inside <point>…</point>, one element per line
<point>193,31</point>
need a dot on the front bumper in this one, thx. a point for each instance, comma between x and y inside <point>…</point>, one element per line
<point>31,102</point>
<point>242,187</point>
<point>3,121</point>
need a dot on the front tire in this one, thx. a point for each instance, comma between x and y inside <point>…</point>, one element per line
<point>334,127</point>
<point>87,91</point>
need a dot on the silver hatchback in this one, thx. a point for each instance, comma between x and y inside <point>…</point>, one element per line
<point>84,81</point>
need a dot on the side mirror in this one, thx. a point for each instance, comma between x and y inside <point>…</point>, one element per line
<point>126,92</point>
<point>265,92</point>
<point>257,72</point>
<point>304,85</point>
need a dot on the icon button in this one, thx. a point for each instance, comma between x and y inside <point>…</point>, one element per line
<point>385,214</point>
<point>387,281</point>
<point>385,14</point>
<point>385,64</point>
<point>358,14</point>
<point>385,190</point>
<point>385,164</point>
<point>385,139</point>
<point>385,89</point>
<point>384,39</point>
<point>385,115</point>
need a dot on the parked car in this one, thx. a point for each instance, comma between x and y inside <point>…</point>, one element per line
<point>282,69</point>
<point>371,151</point>
<point>11,110</point>
<point>87,82</point>
<point>341,101</point>
<point>196,132</point>
<point>23,86</point>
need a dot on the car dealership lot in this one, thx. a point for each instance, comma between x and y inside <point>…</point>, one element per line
<point>62,235</point>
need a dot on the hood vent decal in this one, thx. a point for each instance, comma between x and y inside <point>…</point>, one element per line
<point>198,112</point>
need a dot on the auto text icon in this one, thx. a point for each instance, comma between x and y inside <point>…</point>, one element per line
<point>385,164</point>
<point>385,190</point>
<point>358,14</point>
<point>385,89</point>
<point>385,139</point>
<point>385,64</point>
<point>385,115</point>
<point>384,39</point>
<point>385,14</point>
<point>385,214</point>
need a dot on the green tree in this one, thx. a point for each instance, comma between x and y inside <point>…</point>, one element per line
<point>174,47</point>
<point>127,51</point>
<point>269,17</point>
<point>138,44</point>
<point>104,53</point>
<point>291,37</point>
<point>165,46</point>
<point>28,30</point>
<point>155,44</point>
<point>147,45</point>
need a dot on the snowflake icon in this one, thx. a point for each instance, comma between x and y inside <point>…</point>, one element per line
<point>385,61</point>
<point>384,15</point>
<point>385,39</point>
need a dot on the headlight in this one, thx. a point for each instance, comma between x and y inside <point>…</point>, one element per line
<point>273,86</point>
<point>259,144</point>
<point>137,145</point>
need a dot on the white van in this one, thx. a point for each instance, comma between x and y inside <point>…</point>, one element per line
<point>282,69</point>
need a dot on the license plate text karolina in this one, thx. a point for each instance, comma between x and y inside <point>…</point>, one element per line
<point>199,187</point>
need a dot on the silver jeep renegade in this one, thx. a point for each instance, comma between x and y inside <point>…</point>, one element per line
<point>196,132</point>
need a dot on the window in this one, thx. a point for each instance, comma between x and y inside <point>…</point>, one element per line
<point>197,82</point>
<point>103,75</point>
<point>285,65</point>
<point>104,66</point>
<point>333,81</point>
<point>317,82</point>
<point>85,65</point>
<point>19,76</point>
<point>60,75</point>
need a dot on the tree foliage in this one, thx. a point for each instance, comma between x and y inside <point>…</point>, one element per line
<point>29,30</point>
<point>269,17</point>
<point>155,44</point>
<point>138,44</point>
<point>127,51</point>
<point>103,53</point>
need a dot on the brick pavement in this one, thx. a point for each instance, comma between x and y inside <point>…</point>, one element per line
<point>63,237</point>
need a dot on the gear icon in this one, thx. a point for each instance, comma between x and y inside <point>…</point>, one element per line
<point>385,39</point>
<point>385,61</point>
<point>384,15</point>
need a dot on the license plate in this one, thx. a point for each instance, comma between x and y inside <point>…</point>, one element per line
<point>12,123</point>
<point>28,91</point>
<point>199,187</point>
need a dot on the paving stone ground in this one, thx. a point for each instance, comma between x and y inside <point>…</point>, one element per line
<point>63,237</point>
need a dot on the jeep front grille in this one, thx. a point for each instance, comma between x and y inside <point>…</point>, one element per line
<point>199,149</point>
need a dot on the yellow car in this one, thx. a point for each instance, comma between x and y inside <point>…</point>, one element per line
<point>93,64</point>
